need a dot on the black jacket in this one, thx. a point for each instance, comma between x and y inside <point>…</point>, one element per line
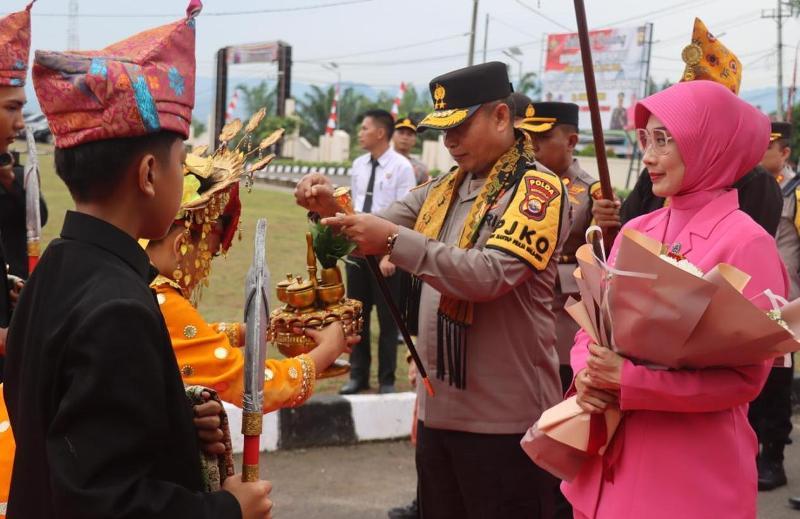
<point>5,300</point>
<point>759,197</point>
<point>96,402</point>
<point>13,232</point>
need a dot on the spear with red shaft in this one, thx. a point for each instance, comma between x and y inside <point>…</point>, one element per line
<point>33,218</point>
<point>256,318</point>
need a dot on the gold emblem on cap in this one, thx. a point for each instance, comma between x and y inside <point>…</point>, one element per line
<point>774,136</point>
<point>530,112</point>
<point>692,54</point>
<point>438,95</point>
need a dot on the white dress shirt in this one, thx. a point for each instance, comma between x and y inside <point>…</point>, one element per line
<point>394,178</point>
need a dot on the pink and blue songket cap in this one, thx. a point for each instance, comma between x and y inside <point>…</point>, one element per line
<point>138,86</point>
<point>15,40</point>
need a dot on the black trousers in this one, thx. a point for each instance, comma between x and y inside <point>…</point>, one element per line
<point>770,413</point>
<point>479,476</point>
<point>361,285</point>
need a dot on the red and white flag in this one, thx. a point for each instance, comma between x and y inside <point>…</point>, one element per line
<point>397,100</point>
<point>232,106</point>
<point>332,118</point>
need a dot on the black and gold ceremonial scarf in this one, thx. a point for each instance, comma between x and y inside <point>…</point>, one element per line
<point>529,230</point>
<point>455,316</point>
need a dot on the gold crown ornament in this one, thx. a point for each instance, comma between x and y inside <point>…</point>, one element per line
<point>211,192</point>
<point>315,302</point>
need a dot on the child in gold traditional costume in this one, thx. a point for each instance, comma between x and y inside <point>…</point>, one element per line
<point>209,354</point>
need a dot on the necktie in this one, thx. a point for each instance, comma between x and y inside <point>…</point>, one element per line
<point>370,185</point>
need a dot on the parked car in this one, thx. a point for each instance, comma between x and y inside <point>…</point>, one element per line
<point>616,141</point>
<point>39,126</point>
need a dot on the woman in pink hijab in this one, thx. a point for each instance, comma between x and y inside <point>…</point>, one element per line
<point>685,449</point>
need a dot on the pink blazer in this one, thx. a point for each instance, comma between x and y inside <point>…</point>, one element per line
<point>687,449</point>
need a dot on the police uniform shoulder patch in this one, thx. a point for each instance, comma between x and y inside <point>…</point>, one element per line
<point>796,211</point>
<point>531,225</point>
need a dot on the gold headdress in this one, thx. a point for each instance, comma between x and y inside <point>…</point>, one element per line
<point>211,191</point>
<point>707,58</point>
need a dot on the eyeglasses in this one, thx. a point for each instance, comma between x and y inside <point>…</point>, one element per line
<point>657,138</point>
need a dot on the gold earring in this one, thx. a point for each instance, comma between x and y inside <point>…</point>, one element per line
<point>177,275</point>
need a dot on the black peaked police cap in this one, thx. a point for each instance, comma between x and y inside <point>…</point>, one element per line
<point>458,94</point>
<point>405,122</point>
<point>780,130</point>
<point>542,116</point>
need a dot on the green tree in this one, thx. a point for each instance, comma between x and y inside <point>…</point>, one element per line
<point>419,103</point>
<point>315,108</point>
<point>198,127</point>
<point>529,85</point>
<point>256,97</point>
<point>653,87</point>
<point>262,96</point>
<point>795,142</point>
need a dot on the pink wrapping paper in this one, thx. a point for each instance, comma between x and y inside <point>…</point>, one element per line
<point>676,320</point>
<point>683,321</point>
<point>559,440</point>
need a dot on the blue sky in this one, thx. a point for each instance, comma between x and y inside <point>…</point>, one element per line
<point>433,30</point>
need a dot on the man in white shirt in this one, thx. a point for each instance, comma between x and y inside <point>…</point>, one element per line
<point>379,177</point>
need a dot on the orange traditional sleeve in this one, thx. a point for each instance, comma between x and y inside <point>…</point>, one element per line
<point>231,330</point>
<point>7,449</point>
<point>205,357</point>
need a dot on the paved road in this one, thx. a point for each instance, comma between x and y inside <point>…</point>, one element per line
<point>362,481</point>
<point>357,482</point>
<point>773,505</point>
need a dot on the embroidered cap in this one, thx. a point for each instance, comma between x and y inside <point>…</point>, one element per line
<point>15,40</point>
<point>458,94</point>
<point>140,85</point>
<point>707,58</point>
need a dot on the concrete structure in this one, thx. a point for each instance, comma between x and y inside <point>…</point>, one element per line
<point>436,156</point>
<point>334,148</point>
<point>327,420</point>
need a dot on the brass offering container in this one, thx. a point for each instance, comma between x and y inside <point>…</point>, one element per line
<point>313,303</point>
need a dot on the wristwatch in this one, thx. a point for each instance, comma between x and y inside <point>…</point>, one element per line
<point>390,243</point>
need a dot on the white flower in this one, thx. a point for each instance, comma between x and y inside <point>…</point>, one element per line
<point>683,264</point>
<point>776,316</point>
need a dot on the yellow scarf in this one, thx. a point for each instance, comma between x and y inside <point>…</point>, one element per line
<point>454,315</point>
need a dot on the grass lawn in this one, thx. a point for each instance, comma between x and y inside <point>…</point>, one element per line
<point>223,299</point>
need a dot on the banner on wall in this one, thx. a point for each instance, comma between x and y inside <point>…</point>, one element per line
<point>621,58</point>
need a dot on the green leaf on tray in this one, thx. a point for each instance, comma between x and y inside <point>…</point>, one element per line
<point>329,246</point>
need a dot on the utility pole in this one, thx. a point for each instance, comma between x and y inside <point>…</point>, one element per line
<point>778,15</point>
<point>485,37</point>
<point>72,26</point>
<point>471,57</point>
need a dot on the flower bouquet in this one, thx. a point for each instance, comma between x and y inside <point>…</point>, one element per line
<point>656,308</point>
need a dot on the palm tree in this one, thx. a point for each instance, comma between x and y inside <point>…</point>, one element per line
<point>530,85</point>
<point>416,104</point>
<point>315,108</point>
<point>259,96</point>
